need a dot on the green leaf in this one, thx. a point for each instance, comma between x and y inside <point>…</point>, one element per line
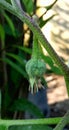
<point>50,62</point>
<point>17,78</point>
<point>2,33</point>
<point>50,6</point>
<point>28,5</point>
<point>17,58</point>
<point>15,66</point>
<point>7,98</point>
<point>3,127</point>
<point>47,60</point>
<point>25,105</point>
<point>10,23</point>
<point>25,49</point>
<point>56,70</point>
<point>42,23</point>
<point>31,127</point>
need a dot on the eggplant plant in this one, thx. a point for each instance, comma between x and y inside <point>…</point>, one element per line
<point>35,68</point>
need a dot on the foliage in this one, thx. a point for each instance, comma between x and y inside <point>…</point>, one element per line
<point>13,60</point>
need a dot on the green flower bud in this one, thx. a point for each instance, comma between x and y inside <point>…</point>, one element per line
<point>35,69</point>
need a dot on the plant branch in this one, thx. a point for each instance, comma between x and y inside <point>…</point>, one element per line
<point>49,121</point>
<point>63,122</point>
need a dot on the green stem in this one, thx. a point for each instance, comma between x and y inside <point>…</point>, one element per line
<point>63,122</point>
<point>48,121</point>
<point>66,77</point>
<point>35,48</point>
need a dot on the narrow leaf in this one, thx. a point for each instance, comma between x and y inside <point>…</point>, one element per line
<point>28,5</point>
<point>15,66</point>
<point>31,127</point>
<point>25,49</point>
<point>17,58</point>
<point>42,23</point>
<point>10,23</point>
<point>47,60</point>
<point>50,62</point>
<point>50,6</point>
<point>56,70</point>
<point>2,33</point>
<point>3,127</point>
<point>25,105</point>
